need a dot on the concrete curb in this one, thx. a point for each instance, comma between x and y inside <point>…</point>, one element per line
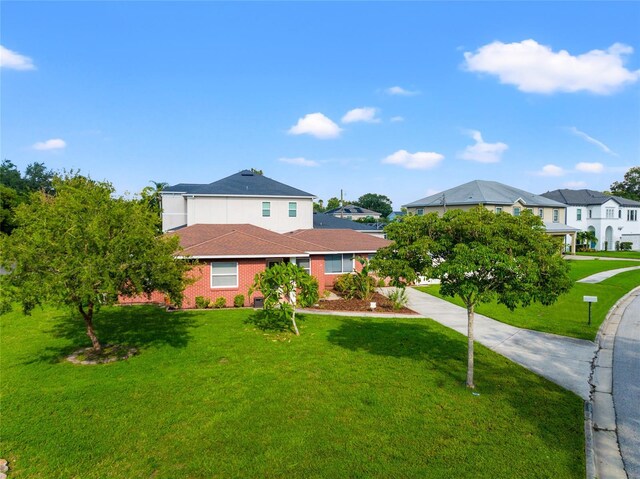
<point>602,449</point>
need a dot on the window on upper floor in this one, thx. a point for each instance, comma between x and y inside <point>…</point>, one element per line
<point>589,214</point>
<point>579,214</point>
<point>293,209</point>
<point>266,208</point>
<point>420,212</point>
<point>541,212</point>
<point>610,213</point>
<point>632,215</point>
<point>498,209</point>
<point>619,214</point>
<point>338,263</point>
<point>224,274</point>
<point>556,215</point>
<point>516,211</point>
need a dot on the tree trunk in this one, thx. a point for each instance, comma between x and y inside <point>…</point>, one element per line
<point>293,320</point>
<point>88,319</point>
<point>470,317</point>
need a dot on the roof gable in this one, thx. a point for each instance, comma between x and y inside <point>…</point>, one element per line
<point>586,197</point>
<point>243,183</point>
<point>483,192</point>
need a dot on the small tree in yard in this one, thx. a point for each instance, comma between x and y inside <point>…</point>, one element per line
<point>83,248</point>
<point>479,256</point>
<point>286,286</point>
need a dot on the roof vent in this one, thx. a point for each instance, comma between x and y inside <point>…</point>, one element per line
<point>247,173</point>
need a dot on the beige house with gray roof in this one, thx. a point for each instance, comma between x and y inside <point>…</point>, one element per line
<point>499,198</point>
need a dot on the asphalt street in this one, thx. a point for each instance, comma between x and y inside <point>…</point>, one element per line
<point>626,387</point>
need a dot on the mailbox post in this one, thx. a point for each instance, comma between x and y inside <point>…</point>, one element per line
<point>590,299</point>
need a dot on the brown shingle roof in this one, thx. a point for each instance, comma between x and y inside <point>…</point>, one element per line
<point>243,240</point>
<point>239,240</point>
<point>341,240</point>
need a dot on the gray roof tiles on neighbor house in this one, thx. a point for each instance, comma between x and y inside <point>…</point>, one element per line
<point>484,192</point>
<point>586,197</point>
<point>243,183</point>
<point>325,221</point>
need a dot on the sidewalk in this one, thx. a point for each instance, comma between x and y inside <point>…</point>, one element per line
<point>565,361</point>
<point>599,277</point>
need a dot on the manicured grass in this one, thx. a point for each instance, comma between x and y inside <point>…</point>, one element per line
<point>212,396</point>
<point>613,254</point>
<point>569,315</point>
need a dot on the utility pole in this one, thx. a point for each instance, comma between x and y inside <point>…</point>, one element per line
<point>444,203</point>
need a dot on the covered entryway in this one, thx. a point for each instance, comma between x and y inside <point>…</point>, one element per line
<point>608,239</point>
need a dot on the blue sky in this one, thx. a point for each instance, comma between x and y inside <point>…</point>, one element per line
<point>402,99</point>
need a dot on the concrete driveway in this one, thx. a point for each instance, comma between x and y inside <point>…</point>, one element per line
<point>565,361</point>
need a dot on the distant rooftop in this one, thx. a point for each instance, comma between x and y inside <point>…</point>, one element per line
<point>586,198</point>
<point>326,221</point>
<point>244,183</point>
<point>484,192</point>
<point>352,210</point>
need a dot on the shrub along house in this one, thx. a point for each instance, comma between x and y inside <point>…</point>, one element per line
<point>231,236</point>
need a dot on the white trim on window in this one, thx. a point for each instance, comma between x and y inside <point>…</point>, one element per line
<point>556,215</point>
<point>344,258</point>
<point>266,209</point>
<point>226,276</point>
<point>293,209</point>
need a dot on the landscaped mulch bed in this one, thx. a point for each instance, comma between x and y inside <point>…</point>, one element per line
<point>383,305</point>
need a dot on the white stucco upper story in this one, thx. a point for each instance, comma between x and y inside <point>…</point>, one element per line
<point>273,213</point>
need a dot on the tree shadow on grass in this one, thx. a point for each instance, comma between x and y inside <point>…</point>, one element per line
<point>418,341</point>
<point>534,399</point>
<point>273,320</point>
<point>134,326</point>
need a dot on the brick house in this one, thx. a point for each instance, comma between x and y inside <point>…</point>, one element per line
<point>228,255</point>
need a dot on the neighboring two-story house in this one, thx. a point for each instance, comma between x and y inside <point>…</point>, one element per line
<point>238,226</point>
<point>611,218</point>
<point>499,197</point>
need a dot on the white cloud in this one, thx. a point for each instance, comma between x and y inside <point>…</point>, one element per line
<point>299,161</point>
<point>575,184</point>
<point>316,124</point>
<point>398,90</point>
<point>365,114</point>
<point>396,119</point>
<point>420,160</point>
<point>483,152</point>
<point>15,61</point>
<point>590,167</point>
<point>592,140</point>
<point>53,144</point>
<point>551,170</point>
<point>536,68</point>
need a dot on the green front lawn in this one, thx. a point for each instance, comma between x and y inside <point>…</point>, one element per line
<point>613,254</point>
<point>569,315</point>
<point>211,396</point>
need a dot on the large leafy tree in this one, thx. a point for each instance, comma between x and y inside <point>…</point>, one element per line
<point>629,187</point>
<point>285,286</point>
<point>376,202</point>
<point>478,256</point>
<point>15,189</point>
<point>83,248</point>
